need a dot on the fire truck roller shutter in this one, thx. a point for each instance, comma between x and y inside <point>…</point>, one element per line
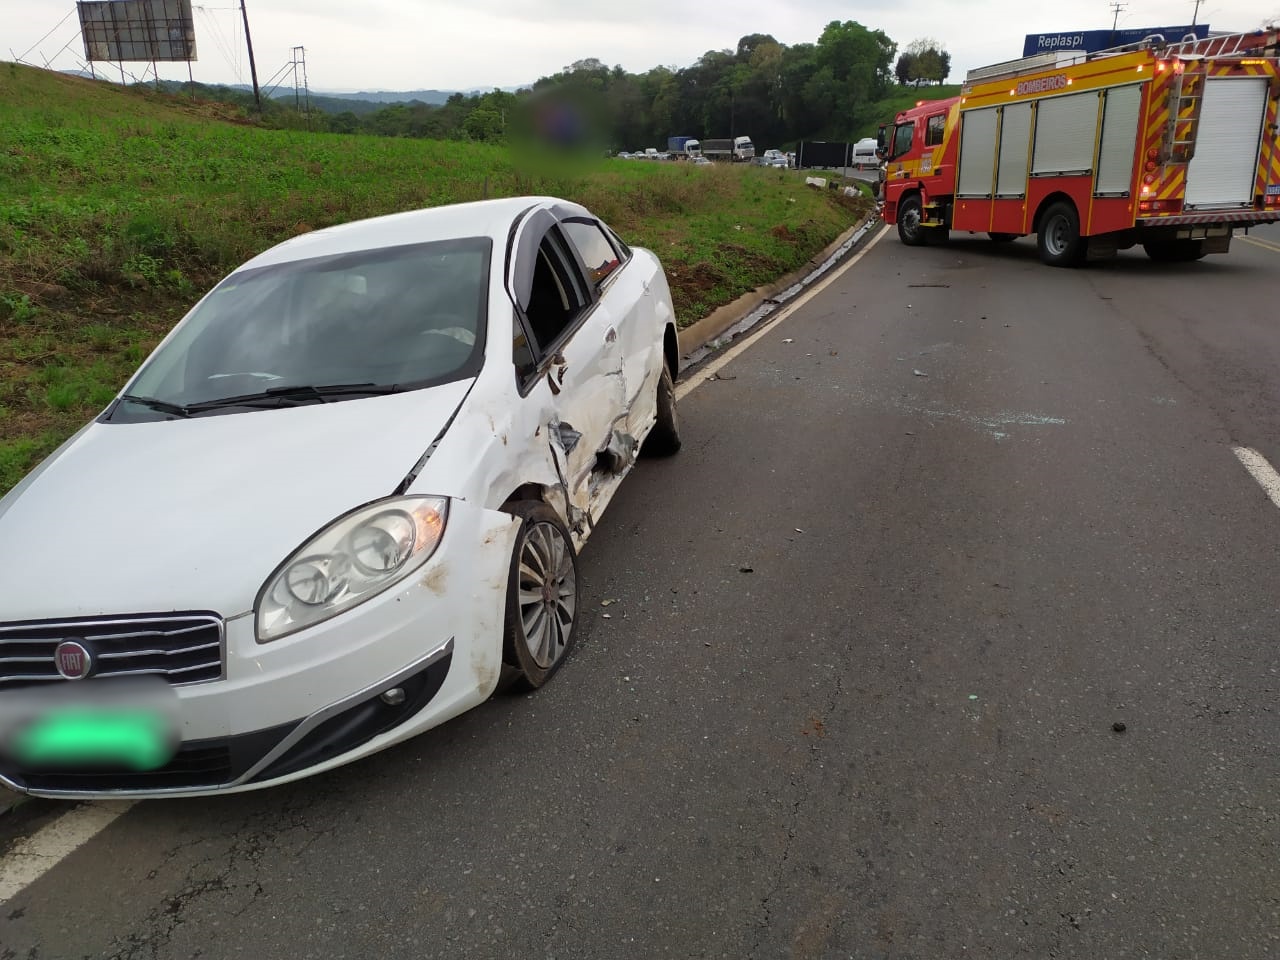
<point>1066,128</point>
<point>977,152</point>
<point>1222,172</point>
<point>1015,141</point>
<point>1119,140</point>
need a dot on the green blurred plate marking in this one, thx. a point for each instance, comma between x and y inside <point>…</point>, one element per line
<point>138,739</point>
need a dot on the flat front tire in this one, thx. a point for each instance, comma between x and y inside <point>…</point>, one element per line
<point>1059,239</point>
<point>664,438</point>
<point>542,597</point>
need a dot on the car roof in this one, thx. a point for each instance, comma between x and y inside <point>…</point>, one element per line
<point>482,218</point>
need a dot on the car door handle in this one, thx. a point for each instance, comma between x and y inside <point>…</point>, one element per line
<point>610,335</point>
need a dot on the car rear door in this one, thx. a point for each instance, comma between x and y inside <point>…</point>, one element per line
<point>623,284</point>
<point>568,359</point>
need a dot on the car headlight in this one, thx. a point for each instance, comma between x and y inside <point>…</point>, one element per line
<point>354,558</point>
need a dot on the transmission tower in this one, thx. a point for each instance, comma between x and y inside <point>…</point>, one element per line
<point>301,91</point>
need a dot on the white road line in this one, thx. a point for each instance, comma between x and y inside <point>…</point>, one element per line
<point>47,847</point>
<point>1261,471</point>
<point>1264,244</point>
<point>747,342</point>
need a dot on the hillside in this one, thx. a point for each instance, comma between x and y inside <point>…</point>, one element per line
<point>904,98</point>
<point>118,208</point>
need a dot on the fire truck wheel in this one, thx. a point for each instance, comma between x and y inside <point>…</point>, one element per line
<point>1060,242</point>
<point>910,214</point>
<point>1175,251</point>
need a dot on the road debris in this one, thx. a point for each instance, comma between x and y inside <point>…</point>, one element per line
<point>919,373</point>
<point>1119,727</point>
<point>746,570</point>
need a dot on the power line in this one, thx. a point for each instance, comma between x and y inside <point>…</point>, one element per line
<point>47,35</point>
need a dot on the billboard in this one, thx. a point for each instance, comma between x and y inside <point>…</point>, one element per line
<point>145,30</point>
<point>1091,41</point>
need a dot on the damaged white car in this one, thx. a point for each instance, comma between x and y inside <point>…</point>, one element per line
<point>337,506</point>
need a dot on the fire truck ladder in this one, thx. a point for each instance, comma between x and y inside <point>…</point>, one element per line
<point>1230,45</point>
<point>1184,116</point>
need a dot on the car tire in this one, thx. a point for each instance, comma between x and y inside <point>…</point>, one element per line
<point>1059,238</point>
<point>910,216</point>
<point>664,439</point>
<point>542,598</point>
<point>1003,237</point>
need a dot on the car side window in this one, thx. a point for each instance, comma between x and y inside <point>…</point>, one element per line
<point>937,126</point>
<point>599,256</point>
<point>558,295</point>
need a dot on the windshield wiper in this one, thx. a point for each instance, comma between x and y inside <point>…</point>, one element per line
<point>163,406</point>
<point>293,395</point>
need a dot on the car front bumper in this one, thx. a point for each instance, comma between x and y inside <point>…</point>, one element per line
<point>407,660</point>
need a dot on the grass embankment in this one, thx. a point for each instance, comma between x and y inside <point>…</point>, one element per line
<point>119,208</point>
<point>904,98</point>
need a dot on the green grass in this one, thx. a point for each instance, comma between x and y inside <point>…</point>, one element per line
<point>119,208</point>
<point>904,98</point>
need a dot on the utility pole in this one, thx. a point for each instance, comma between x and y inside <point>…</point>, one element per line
<point>1117,8</point>
<point>253,69</point>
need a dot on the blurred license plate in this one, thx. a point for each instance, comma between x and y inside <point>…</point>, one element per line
<point>108,725</point>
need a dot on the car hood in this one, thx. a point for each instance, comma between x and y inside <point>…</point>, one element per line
<point>196,514</point>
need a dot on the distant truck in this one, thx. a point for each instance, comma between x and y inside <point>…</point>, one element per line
<point>684,147</point>
<point>736,150</point>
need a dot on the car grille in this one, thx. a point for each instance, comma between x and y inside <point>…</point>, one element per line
<point>180,648</point>
<point>195,765</point>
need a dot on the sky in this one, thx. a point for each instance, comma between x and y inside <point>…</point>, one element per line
<point>480,44</point>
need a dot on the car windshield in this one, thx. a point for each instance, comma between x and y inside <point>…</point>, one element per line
<point>393,318</point>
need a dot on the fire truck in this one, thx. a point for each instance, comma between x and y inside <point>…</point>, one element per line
<point>1168,145</point>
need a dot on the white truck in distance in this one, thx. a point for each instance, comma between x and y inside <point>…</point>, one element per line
<point>736,150</point>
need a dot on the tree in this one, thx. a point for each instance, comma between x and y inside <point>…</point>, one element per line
<point>483,123</point>
<point>906,67</point>
<point>749,44</point>
<point>929,61</point>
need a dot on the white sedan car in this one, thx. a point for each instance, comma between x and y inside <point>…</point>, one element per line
<point>341,503</point>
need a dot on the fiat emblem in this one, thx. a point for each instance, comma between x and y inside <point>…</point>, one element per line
<point>73,660</point>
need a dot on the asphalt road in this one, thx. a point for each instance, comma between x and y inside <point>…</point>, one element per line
<point>892,737</point>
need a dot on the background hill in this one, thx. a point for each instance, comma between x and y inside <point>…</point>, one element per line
<point>120,207</point>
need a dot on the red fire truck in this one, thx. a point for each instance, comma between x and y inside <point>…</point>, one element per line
<point>1172,146</point>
